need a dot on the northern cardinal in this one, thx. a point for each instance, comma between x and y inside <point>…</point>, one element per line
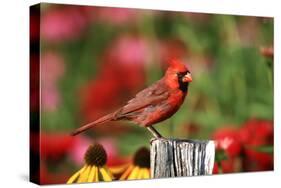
<point>154,104</point>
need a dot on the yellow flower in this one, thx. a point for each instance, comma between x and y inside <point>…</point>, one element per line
<point>94,169</point>
<point>140,167</point>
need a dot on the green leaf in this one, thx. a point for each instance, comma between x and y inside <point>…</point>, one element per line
<point>264,149</point>
<point>220,155</point>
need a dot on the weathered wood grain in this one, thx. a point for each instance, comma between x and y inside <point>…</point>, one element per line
<point>174,157</point>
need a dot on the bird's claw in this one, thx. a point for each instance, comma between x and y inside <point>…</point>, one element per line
<point>156,138</point>
<point>152,140</point>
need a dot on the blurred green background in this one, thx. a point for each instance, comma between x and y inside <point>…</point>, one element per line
<point>93,59</point>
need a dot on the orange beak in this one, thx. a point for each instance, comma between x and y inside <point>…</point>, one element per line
<point>187,78</point>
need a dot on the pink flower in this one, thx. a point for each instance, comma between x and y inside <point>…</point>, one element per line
<point>64,23</point>
<point>129,50</point>
<point>50,98</point>
<point>78,149</point>
<point>110,147</point>
<point>52,68</point>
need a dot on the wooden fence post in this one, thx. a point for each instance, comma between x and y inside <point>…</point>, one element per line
<point>175,157</point>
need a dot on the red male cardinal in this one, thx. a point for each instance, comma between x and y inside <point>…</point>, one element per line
<point>153,104</point>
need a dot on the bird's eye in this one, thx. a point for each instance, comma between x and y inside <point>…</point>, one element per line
<point>181,74</point>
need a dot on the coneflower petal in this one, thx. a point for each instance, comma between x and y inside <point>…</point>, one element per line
<point>119,169</point>
<point>84,175</point>
<point>75,176</point>
<point>134,173</point>
<point>140,174</point>
<point>92,174</point>
<point>109,172</point>
<point>105,175</point>
<point>146,174</point>
<point>96,178</point>
<point>127,172</point>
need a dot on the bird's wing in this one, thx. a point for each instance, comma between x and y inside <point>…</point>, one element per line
<point>151,95</point>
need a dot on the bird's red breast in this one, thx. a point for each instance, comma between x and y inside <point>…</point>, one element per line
<point>172,89</point>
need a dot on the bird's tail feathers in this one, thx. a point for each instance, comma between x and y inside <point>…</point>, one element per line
<point>101,120</point>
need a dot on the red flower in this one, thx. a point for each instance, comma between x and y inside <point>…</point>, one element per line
<point>255,134</point>
<point>267,51</point>
<point>133,80</point>
<point>54,146</point>
<point>229,165</point>
<point>257,131</point>
<point>228,140</point>
<point>98,97</point>
<point>215,168</point>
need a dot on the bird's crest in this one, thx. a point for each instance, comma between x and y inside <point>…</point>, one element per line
<point>177,65</point>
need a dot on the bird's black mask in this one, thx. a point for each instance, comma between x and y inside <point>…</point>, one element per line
<point>183,86</point>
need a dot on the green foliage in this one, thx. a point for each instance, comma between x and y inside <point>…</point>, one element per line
<point>220,156</point>
<point>264,149</point>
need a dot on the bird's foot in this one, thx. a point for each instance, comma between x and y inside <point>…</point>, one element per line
<point>152,140</point>
<point>156,138</point>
